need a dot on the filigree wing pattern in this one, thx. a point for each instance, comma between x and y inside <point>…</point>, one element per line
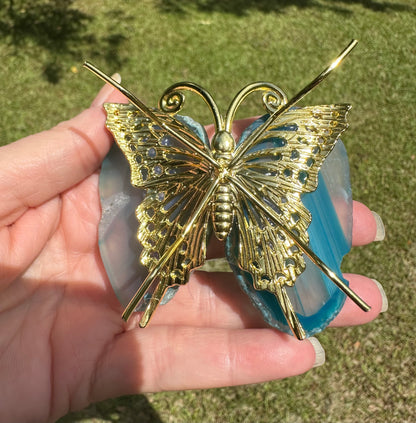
<point>162,217</point>
<point>166,168</point>
<point>291,151</point>
<point>185,182</point>
<point>281,166</point>
<point>265,250</point>
<point>155,157</point>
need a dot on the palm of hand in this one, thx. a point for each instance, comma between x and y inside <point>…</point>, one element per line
<point>63,343</point>
<point>48,350</point>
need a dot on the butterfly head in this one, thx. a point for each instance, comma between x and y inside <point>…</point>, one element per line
<point>223,145</point>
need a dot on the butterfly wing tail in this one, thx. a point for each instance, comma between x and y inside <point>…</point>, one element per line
<point>289,312</point>
<point>153,303</point>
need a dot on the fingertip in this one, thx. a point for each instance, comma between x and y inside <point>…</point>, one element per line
<point>109,94</point>
<point>367,225</point>
<point>319,352</point>
<point>384,299</point>
<point>381,231</point>
<point>372,292</point>
<point>117,77</point>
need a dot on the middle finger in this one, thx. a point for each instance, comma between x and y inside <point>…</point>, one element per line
<point>216,300</point>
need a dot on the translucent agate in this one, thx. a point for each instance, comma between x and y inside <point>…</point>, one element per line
<point>315,298</point>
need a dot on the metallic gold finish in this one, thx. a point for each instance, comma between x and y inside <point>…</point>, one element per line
<point>257,184</point>
<point>172,101</point>
<point>244,147</point>
<point>305,249</point>
<point>223,211</point>
<point>291,317</point>
<point>188,139</point>
<point>175,270</point>
<point>273,99</point>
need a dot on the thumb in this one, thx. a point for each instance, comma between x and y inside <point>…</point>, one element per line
<point>41,166</point>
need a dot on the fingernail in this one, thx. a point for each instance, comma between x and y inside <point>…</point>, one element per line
<point>116,77</point>
<point>319,352</point>
<point>381,232</point>
<point>105,92</point>
<point>384,300</point>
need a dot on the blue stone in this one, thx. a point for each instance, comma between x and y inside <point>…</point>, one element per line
<point>315,298</point>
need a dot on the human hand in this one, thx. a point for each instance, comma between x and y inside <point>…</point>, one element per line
<point>63,343</point>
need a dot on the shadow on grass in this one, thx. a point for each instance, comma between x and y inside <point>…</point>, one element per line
<point>57,28</point>
<point>242,7</point>
<point>127,409</point>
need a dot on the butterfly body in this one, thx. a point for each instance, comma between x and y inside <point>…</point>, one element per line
<point>223,211</point>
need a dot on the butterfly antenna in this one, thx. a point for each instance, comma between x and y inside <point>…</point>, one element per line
<point>147,112</point>
<point>132,98</point>
<point>250,141</point>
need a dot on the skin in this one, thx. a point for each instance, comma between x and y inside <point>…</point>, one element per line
<point>63,344</point>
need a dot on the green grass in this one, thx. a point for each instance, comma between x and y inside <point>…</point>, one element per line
<point>370,373</point>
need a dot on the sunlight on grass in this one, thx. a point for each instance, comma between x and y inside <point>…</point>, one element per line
<point>369,375</point>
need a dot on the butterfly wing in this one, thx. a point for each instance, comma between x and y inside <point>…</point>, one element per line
<point>272,175</point>
<point>175,179</point>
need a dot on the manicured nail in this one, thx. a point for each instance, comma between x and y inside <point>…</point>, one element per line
<point>319,352</point>
<point>116,77</point>
<point>384,300</point>
<point>105,92</point>
<point>381,232</point>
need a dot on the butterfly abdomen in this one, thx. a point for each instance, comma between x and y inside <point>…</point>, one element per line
<point>223,211</point>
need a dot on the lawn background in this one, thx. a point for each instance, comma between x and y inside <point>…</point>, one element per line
<point>370,372</point>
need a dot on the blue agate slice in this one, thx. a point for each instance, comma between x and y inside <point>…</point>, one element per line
<point>315,298</point>
<point>119,248</point>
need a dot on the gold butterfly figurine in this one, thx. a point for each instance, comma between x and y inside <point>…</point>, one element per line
<point>251,188</point>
